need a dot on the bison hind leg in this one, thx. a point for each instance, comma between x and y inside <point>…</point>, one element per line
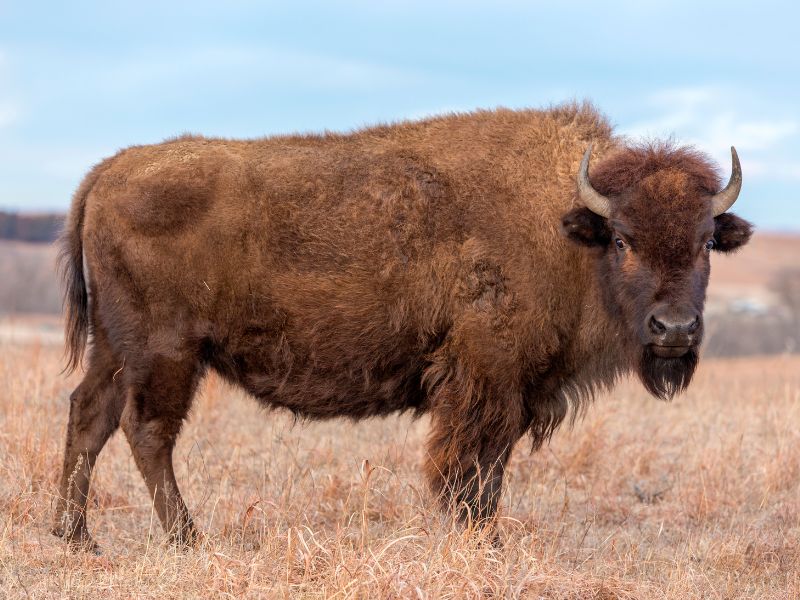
<point>156,407</point>
<point>94,414</point>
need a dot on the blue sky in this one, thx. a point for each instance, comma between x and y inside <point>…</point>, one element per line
<point>79,80</point>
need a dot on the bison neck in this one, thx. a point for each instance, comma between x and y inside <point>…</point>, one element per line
<point>592,357</point>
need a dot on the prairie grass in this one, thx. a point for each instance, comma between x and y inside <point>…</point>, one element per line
<point>698,498</point>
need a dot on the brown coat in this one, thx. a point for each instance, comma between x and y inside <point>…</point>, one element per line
<point>417,266</point>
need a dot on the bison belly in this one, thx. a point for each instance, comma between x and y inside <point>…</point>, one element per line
<point>324,377</point>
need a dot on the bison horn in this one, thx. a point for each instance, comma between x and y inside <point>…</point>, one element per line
<point>594,200</point>
<point>723,200</point>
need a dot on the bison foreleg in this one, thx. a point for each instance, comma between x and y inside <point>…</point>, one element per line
<point>468,449</point>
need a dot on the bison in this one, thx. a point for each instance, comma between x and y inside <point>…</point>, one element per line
<point>469,267</point>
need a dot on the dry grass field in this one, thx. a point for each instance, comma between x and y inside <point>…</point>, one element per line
<point>699,498</point>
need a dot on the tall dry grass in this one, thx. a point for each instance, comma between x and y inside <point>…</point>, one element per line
<point>697,498</point>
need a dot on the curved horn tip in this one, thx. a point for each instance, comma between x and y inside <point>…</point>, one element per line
<point>724,199</point>
<point>594,201</point>
<point>586,156</point>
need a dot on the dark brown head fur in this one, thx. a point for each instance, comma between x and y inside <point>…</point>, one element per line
<point>652,253</point>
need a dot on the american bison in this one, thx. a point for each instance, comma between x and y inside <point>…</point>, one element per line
<point>470,267</point>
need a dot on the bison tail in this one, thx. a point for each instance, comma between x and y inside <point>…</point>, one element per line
<point>70,259</point>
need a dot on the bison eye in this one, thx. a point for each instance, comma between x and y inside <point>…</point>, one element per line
<point>710,245</point>
<point>619,243</point>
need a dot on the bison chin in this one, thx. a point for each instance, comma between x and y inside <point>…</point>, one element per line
<point>665,377</point>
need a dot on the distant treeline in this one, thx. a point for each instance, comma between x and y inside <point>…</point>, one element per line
<point>40,228</point>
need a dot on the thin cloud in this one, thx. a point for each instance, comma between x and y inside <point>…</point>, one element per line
<point>779,169</point>
<point>260,63</point>
<point>695,115</point>
<point>761,135</point>
<point>675,110</point>
<point>9,110</point>
<point>9,114</point>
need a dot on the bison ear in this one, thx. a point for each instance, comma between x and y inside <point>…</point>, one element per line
<point>584,227</point>
<point>730,232</point>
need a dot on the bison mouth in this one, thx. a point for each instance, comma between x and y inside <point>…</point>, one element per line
<point>663,351</point>
<point>667,370</point>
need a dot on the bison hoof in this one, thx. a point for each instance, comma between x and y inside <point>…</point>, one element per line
<point>87,545</point>
<point>83,543</point>
<point>78,541</point>
<point>189,537</point>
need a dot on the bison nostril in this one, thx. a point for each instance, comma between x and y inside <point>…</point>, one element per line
<point>695,325</point>
<point>657,326</point>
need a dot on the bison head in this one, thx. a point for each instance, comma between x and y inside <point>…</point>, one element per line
<point>653,214</point>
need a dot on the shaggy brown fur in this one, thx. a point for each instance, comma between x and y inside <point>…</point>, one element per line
<point>417,266</point>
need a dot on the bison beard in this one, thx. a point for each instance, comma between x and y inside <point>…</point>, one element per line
<point>665,377</point>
